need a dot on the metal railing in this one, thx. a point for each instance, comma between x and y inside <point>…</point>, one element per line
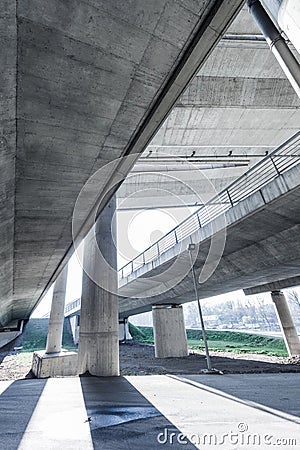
<point>273,165</point>
<point>75,304</point>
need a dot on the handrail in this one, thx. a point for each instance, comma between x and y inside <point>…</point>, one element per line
<point>72,305</point>
<point>273,165</point>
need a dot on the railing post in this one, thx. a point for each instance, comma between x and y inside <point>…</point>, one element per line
<point>176,237</point>
<point>262,196</point>
<point>229,196</point>
<point>199,221</point>
<point>158,252</point>
<point>144,261</point>
<point>276,168</point>
<point>132,266</point>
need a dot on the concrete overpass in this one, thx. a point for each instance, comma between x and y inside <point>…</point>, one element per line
<point>255,223</point>
<point>239,106</point>
<point>82,88</point>
<point>82,85</point>
<point>246,238</point>
<point>258,252</point>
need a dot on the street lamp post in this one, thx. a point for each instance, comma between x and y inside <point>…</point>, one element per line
<point>192,247</point>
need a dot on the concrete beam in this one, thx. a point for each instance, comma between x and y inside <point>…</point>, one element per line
<point>275,286</point>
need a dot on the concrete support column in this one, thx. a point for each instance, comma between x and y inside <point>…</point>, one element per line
<point>286,322</point>
<point>75,325</point>
<point>55,362</point>
<point>124,333</point>
<point>169,331</point>
<point>56,321</point>
<point>98,350</point>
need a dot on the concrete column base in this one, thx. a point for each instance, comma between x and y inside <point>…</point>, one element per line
<point>169,331</point>
<point>286,323</point>
<point>61,364</point>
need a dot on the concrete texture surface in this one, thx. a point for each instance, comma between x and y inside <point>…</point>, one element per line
<point>56,319</point>
<point>88,82</point>
<point>240,101</point>
<point>169,332</point>
<point>138,412</point>
<point>98,347</point>
<point>60,364</point>
<point>83,82</point>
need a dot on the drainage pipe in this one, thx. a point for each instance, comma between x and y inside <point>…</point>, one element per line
<point>286,15</point>
<point>277,44</point>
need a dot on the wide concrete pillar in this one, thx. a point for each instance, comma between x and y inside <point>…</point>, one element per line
<point>169,331</point>
<point>286,322</point>
<point>98,348</point>
<point>56,321</point>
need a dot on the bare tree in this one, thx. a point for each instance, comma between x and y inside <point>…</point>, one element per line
<point>192,318</point>
<point>262,311</point>
<point>294,298</point>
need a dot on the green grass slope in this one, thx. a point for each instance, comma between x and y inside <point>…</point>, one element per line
<point>229,341</point>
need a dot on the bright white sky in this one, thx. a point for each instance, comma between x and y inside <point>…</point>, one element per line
<point>73,288</point>
<point>136,231</point>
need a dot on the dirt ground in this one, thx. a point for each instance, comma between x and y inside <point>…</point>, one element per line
<point>138,359</point>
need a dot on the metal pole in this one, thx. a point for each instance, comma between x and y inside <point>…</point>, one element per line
<point>208,360</point>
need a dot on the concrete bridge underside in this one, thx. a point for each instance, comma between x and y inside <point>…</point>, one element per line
<point>82,83</point>
<point>262,246</point>
<point>238,107</point>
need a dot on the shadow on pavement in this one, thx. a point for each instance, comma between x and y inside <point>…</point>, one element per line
<point>17,404</point>
<point>121,418</point>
